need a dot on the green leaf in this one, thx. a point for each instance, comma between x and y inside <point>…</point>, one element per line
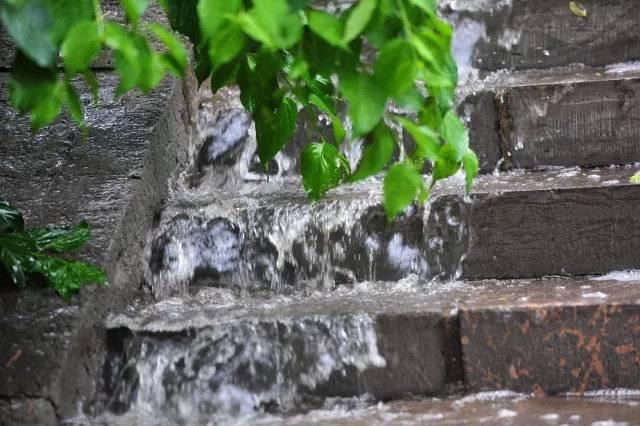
<point>378,152</point>
<point>23,254</point>
<point>428,6</point>
<point>271,23</point>
<point>359,16</point>
<point>396,68</point>
<point>183,17</point>
<point>328,27</point>
<point>35,90</point>
<point>411,100</point>
<point>402,185</point>
<point>16,256</point>
<point>66,276</point>
<point>635,178</point>
<point>74,104</point>
<point>60,239</point>
<point>224,75</point>
<point>10,218</point>
<point>470,164</point>
<point>48,108</point>
<point>134,9</point>
<point>213,15</point>
<point>275,129</point>
<point>38,27</point>
<point>94,87</point>
<point>322,169</point>
<point>445,165</point>
<point>298,5</point>
<point>201,64</point>
<point>338,129</point>
<point>427,141</point>
<point>455,134</point>
<point>137,65</point>
<point>81,46</point>
<point>226,45</point>
<point>366,102</point>
<point>175,58</point>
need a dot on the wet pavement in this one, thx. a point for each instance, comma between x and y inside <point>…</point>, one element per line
<point>599,408</point>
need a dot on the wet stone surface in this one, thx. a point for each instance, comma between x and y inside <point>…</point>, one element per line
<point>384,339</point>
<point>288,244</point>
<point>51,348</point>
<point>524,34</point>
<point>553,338</point>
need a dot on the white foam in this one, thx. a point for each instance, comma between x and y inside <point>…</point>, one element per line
<point>595,295</point>
<point>504,413</point>
<point>626,276</point>
<point>549,418</point>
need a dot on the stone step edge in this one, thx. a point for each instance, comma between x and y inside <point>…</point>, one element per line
<point>546,336</point>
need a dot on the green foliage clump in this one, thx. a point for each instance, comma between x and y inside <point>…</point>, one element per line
<point>37,252</point>
<point>288,58</point>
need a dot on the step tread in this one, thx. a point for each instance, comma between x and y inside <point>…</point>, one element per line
<point>213,306</point>
<point>544,336</point>
<point>620,407</point>
<point>561,76</point>
<point>256,194</point>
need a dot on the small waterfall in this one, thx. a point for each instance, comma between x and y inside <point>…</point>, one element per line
<point>233,246</point>
<point>233,363</point>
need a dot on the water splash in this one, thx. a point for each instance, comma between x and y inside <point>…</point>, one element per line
<point>237,367</point>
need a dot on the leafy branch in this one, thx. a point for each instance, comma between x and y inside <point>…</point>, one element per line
<point>36,252</point>
<point>287,57</point>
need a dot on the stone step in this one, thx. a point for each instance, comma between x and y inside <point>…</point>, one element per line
<point>570,116</point>
<point>619,407</point>
<point>268,236</point>
<point>574,116</point>
<point>219,352</point>
<point>525,34</point>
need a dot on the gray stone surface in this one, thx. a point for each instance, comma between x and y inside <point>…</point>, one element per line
<point>570,117</point>
<point>589,124</point>
<point>116,180</point>
<point>215,350</point>
<point>517,224</point>
<point>523,34</point>
<point>27,412</point>
<point>555,231</point>
<point>532,336</point>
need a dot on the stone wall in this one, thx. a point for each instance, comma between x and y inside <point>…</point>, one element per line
<point>51,352</point>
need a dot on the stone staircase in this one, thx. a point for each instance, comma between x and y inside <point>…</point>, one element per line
<point>268,300</point>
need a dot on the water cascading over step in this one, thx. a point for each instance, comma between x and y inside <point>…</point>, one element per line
<point>227,226</point>
<point>266,298</point>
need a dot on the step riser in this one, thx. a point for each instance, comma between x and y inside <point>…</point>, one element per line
<point>301,245</point>
<point>563,123</point>
<point>574,124</point>
<point>533,232</point>
<point>552,349</point>
<point>237,368</point>
<point>544,337</point>
<point>554,232</point>
<point>525,34</point>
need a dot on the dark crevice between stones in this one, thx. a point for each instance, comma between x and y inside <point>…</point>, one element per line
<point>505,128</point>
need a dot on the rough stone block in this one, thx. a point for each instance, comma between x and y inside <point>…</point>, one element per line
<point>533,232</point>
<point>116,180</point>
<point>524,34</point>
<point>548,337</point>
